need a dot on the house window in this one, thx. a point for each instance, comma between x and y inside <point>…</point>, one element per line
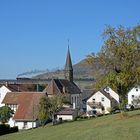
<point>107,88</point>
<point>25,124</point>
<point>93,100</point>
<point>132,96</point>
<point>75,101</point>
<point>136,89</point>
<point>102,99</point>
<point>94,107</point>
<point>72,100</point>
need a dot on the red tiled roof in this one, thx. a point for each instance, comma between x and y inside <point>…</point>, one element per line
<point>11,98</point>
<point>28,104</point>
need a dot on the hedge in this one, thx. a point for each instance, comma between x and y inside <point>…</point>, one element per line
<point>6,129</point>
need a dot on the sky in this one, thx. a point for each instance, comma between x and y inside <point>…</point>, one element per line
<point>34,33</point>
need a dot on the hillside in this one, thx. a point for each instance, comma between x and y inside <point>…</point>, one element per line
<point>81,70</point>
<point>110,127</point>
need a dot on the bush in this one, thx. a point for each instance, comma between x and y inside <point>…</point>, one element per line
<point>14,129</point>
<point>5,129</point>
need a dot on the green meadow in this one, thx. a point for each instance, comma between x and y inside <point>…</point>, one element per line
<point>110,127</point>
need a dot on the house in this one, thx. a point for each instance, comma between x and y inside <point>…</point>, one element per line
<point>134,93</point>
<point>25,106</point>
<point>65,86</point>
<point>7,88</point>
<point>100,102</point>
<point>112,93</point>
<point>86,93</point>
<point>66,114</point>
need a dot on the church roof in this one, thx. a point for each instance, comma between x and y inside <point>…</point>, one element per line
<point>68,65</point>
<point>59,86</point>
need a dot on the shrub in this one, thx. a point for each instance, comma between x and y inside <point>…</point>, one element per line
<point>5,129</point>
<point>14,129</point>
<point>123,115</point>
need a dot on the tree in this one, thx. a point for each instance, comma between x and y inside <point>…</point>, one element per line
<point>5,114</point>
<point>119,57</point>
<point>49,105</point>
<point>43,113</point>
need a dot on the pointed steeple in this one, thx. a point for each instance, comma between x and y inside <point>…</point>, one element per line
<point>68,67</point>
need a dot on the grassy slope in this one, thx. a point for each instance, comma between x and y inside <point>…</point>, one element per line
<point>103,128</point>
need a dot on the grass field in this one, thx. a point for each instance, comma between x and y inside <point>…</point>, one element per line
<point>110,127</point>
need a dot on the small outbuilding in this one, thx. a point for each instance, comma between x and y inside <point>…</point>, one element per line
<point>66,114</point>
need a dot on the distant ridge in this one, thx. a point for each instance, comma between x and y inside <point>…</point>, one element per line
<point>82,70</point>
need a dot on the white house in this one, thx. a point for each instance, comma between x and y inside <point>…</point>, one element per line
<point>133,94</point>
<point>25,106</point>
<point>112,93</point>
<point>100,102</point>
<point>3,92</point>
<point>4,89</point>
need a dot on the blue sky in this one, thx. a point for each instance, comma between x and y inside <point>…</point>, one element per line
<point>34,33</point>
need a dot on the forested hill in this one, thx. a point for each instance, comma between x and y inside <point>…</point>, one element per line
<point>82,70</point>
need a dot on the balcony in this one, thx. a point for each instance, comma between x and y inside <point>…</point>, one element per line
<point>95,104</point>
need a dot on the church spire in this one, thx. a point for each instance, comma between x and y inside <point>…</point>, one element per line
<point>68,67</point>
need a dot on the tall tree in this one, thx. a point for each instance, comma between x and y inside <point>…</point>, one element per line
<point>49,105</point>
<point>5,114</point>
<point>119,57</point>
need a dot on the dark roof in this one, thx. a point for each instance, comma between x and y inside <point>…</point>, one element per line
<point>86,93</point>
<point>70,87</point>
<point>27,104</point>
<point>58,86</point>
<point>68,65</point>
<point>16,87</point>
<point>66,111</point>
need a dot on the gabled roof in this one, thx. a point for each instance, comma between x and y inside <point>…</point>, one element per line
<point>66,111</point>
<point>52,88</point>
<point>86,94</point>
<point>11,98</point>
<point>27,104</point>
<point>16,88</point>
<point>110,88</point>
<point>104,93</point>
<point>62,86</point>
<point>108,96</point>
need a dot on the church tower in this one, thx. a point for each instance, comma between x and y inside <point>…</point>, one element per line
<point>68,72</point>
